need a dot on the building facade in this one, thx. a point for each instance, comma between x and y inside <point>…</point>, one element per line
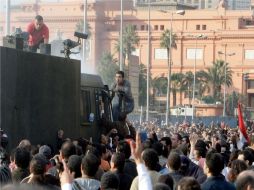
<point>209,4</point>
<point>230,32</point>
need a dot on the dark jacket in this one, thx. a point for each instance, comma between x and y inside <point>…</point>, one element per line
<point>189,168</point>
<point>177,176</point>
<point>130,168</point>
<point>124,129</point>
<point>217,183</point>
<point>123,90</point>
<point>125,180</point>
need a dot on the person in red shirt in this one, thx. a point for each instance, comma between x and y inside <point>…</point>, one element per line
<point>38,33</point>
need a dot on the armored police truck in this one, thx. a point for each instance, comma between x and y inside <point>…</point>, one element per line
<point>41,94</point>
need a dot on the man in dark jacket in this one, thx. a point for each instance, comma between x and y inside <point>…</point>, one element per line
<point>117,166</point>
<point>22,160</point>
<point>214,164</point>
<point>123,127</point>
<point>189,168</point>
<point>122,100</point>
<point>174,164</point>
<point>129,166</point>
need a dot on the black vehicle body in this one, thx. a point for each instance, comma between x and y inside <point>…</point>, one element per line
<point>41,94</point>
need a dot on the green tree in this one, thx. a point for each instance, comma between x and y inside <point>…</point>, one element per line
<point>165,42</point>
<point>160,85</point>
<point>107,68</point>
<point>130,41</point>
<point>168,40</point>
<point>232,102</point>
<point>216,77</point>
<point>142,96</point>
<point>176,85</point>
<point>187,83</point>
<point>202,85</point>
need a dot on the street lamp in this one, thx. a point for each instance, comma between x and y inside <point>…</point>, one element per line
<point>121,38</point>
<point>225,76</point>
<point>148,62</point>
<point>200,36</point>
<point>7,16</point>
<point>179,12</point>
<point>84,29</point>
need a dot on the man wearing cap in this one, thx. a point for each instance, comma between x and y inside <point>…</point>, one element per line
<point>38,33</point>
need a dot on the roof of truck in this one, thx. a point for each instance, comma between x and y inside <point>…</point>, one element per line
<point>91,80</point>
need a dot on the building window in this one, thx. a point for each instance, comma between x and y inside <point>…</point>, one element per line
<point>161,27</point>
<point>156,27</point>
<point>203,27</point>
<point>136,52</point>
<point>1,28</point>
<point>198,27</point>
<point>250,84</point>
<point>142,27</point>
<point>249,54</point>
<point>192,52</point>
<point>248,22</point>
<point>160,53</point>
<point>135,27</point>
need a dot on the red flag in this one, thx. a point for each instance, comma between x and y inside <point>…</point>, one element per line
<point>241,125</point>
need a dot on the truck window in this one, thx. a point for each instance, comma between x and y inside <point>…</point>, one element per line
<point>85,107</point>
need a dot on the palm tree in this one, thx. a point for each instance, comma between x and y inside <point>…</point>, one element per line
<point>165,43</point>
<point>142,96</point>
<point>130,41</point>
<point>168,41</point>
<point>202,84</point>
<point>107,68</point>
<point>216,77</point>
<point>187,83</point>
<point>176,85</point>
<point>160,85</point>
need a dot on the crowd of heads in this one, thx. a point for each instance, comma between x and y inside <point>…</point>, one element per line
<point>183,157</point>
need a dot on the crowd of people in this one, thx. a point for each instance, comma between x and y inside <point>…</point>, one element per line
<point>183,157</point>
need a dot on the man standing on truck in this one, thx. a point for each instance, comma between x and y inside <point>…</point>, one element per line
<point>122,100</point>
<point>38,33</point>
